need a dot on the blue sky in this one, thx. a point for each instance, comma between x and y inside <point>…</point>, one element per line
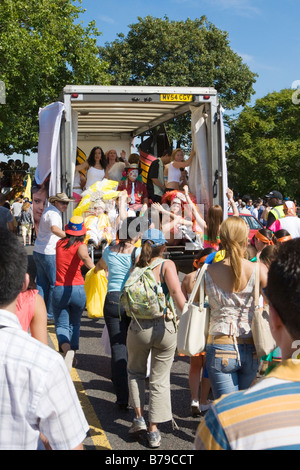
<point>265,33</point>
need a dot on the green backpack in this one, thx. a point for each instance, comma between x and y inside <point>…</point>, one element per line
<point>142,297</point>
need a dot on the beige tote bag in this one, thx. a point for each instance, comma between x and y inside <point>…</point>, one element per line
<point>194,321</point>
<point>260,326</point>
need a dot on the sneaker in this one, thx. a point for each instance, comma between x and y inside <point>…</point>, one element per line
<point>203,408</point>
<point>69,358</point>
<point>75,362</point>
<point>154,438</point>
<point>138,425</point>
<point>195,408</point>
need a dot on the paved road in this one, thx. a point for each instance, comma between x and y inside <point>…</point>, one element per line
<point>108,425</point>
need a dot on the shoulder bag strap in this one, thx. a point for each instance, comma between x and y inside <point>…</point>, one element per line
<point>256,287</point>
<point>130,282</point>
<point>197,284</point>
<point>202,294</point>
<point>133,256</point>
<point>161,272</point>
<point>156,263</point>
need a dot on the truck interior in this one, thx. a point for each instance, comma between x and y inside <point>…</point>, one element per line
<point>115,117</point>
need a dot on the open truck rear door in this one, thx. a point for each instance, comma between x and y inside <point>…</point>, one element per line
<point>113,117</point>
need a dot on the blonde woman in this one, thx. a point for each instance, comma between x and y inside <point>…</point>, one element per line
<point>230,353</point>
<point>174,172</point>
<point>26,222</point>
<point>115,165</point>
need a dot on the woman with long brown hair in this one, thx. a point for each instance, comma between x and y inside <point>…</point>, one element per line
<point>211,226</point>
<point>118,258</point>
<point>229,285</point>
<point>211,238</point>
<point>94,166</point>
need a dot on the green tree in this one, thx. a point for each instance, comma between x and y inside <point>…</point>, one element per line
<point>264,147</point>
<point>160,52</point>
<point>43,47</point>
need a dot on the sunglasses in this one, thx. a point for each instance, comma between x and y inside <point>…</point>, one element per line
<point>64,203</point>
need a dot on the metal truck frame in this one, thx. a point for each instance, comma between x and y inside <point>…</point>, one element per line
<point>113,116</point>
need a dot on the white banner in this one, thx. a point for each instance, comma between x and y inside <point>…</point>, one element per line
<point>49,146</point>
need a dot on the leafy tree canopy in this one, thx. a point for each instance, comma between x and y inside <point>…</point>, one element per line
<point>42,48</point>
<point>264,147</point>
<point>160,52</point>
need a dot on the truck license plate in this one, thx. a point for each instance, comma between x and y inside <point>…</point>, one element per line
<point>176,97</point>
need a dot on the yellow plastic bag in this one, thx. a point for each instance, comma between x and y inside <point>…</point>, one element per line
<point>95,287</point>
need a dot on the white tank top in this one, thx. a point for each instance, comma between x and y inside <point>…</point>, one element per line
<point>174,174</point>
<point>93,175</point>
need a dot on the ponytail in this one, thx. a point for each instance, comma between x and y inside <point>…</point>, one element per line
<point>234,238</point>
<point>235,255</point>
<point>214,220</point>
<point>281,236</point>
<point>148,252</point>
<point>126,233</point>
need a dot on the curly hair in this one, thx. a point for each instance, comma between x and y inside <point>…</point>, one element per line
<point>91,159</point>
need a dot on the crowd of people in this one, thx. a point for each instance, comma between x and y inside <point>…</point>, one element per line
<point>143,302</point>
<point>268,209</point>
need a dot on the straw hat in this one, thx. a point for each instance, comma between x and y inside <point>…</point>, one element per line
<point>61,197</point>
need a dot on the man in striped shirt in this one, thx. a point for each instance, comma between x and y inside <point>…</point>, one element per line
<point>37,395</point>
<point>266,416</point>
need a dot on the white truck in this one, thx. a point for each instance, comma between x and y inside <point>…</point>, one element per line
<point>116,117</point>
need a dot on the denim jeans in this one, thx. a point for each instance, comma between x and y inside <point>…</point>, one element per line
<point>117,325</point>
<point>226,372</point>
<point>68,305</point>
<point>45,278</point>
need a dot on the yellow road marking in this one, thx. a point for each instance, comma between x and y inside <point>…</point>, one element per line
<point>96,433</point>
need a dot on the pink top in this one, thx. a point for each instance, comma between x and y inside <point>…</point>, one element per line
<point>25,307</point>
